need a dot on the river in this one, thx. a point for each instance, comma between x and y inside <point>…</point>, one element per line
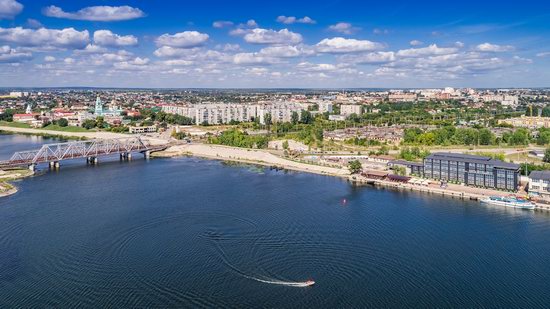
<point>187,232</point>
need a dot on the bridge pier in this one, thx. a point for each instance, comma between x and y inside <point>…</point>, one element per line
<point>91,160</point>
<point>147,154</point>
<point>32,167</point>
<point>125,156</point>
<point>54,164</point>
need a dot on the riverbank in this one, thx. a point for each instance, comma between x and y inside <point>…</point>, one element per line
<point>266,158</point>
<point>77,135</point>
<point>88,135</point>
<point>6,188</point>
<point>254,156</point>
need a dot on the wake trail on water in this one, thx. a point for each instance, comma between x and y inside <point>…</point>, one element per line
<point>278,282</point>
<point>264,280</point>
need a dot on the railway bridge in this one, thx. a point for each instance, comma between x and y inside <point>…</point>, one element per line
<point>89,149</point>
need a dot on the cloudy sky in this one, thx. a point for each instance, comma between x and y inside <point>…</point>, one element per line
<point>248,44</point>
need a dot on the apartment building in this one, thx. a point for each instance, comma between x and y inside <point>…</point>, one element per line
<point>527,122</point>
<point>402,97</point>
<point>348,109</point>
<point>472,170</point>
<point>539,184</point>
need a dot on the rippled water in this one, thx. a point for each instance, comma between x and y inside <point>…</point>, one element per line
<point>188,232</point>
<point>10,143</point>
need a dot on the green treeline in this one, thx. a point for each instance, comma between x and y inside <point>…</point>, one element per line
<point>237,138</point>
<point>450,135</point>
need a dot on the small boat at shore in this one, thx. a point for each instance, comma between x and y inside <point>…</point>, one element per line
<point>512,202</point>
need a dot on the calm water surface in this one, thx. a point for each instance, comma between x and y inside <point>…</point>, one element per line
<point>10,143</point>
<point>188,232</point>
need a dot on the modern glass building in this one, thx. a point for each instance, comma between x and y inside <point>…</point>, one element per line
<point>472,170</point>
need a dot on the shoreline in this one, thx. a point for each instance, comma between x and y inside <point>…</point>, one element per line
<point>244,155</point>
<point>6,177</point>
<point>11,191</point>
<point>265,158</point>
<point>268,159</point>
<point>64,134</point>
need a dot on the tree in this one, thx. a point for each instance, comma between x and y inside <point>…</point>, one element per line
<point>62,122</point>
<point>89,124</point>
<point>100,122</point>
<point>294,118</point>
<point>486,137</point>
<point>354,118</point>
<point>306,117</point>
<point>285,145</point>
<point>355,167</point>
<point>546,155</point>
<point>267,119</point>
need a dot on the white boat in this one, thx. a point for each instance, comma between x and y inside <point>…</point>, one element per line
<point>509,202</point>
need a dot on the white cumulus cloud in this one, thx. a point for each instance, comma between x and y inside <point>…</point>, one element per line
<point>292,19</point>
<point>370,58</point>
<point>341,45</point>
<point>432,50</point>
<point>253,59</point>
<point>108,38</point>
<point>9,9</point>
<point>269,36</point>
<point>493,48</point>
<point>10,55</point>
<point>46,38</point>
<point>222,24</point>
<point>285,51</point>
<point>186,39</point>
<point>96,13</point>
<point>415,43</point>
<point>345,28</point>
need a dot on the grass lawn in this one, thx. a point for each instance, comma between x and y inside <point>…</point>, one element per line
<point>14,124</point>
<point>55,127</point>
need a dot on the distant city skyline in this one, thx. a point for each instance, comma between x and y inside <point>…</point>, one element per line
<point>280,44</point>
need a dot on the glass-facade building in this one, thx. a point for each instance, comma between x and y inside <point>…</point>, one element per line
<point>472,170</point>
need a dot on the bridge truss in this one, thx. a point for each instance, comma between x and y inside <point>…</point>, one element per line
<point>78,149</point>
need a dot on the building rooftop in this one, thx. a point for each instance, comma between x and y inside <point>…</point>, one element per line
<point>409,163</point>
<point>472,159</point>
<point>544,175</point>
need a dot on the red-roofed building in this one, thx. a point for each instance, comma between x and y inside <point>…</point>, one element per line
<point>133,113</point>
<point>27,118</point>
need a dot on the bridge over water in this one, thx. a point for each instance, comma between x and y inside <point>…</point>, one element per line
<point>89,149</point>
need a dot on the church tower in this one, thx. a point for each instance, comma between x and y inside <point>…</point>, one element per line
<point>98,107</point>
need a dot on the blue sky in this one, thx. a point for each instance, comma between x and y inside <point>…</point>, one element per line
<point>334,44</point>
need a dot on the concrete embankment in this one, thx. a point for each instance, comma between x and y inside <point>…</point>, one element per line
<point>418,188</point>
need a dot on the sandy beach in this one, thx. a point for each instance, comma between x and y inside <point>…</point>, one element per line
<point>248,155</point>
